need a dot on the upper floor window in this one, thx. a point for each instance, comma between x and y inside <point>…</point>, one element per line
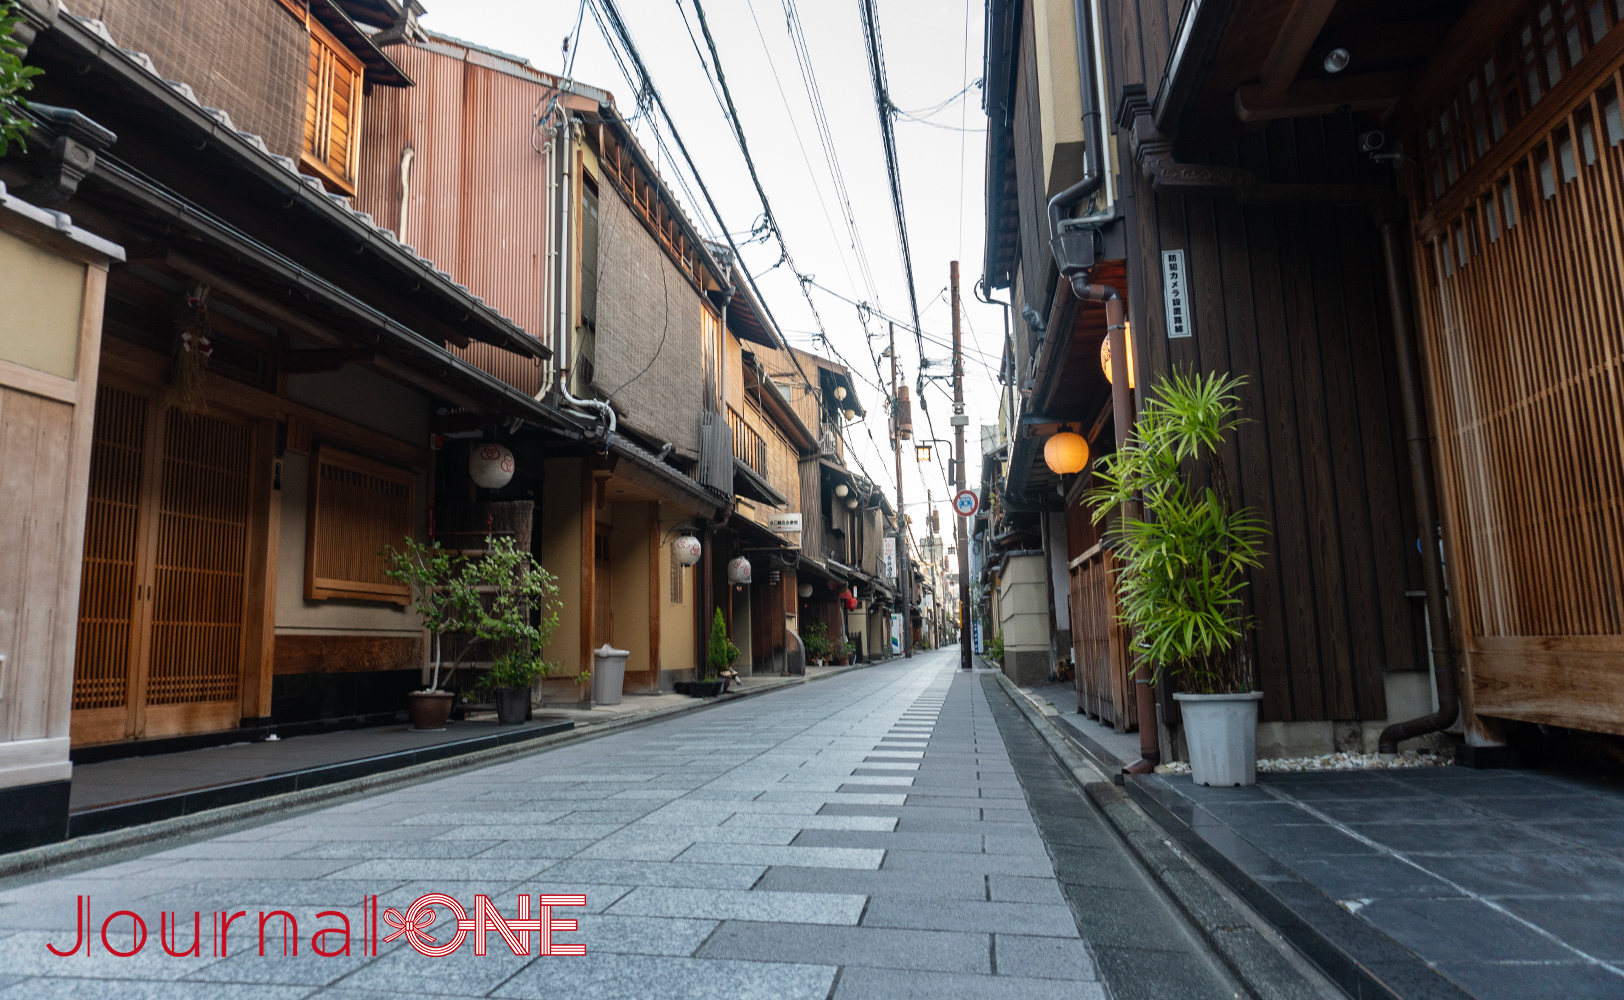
<point>332,129</point>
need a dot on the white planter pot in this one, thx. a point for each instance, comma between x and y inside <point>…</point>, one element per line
<point>1221,731</point>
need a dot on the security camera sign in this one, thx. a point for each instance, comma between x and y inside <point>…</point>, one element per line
<point>966,503</point>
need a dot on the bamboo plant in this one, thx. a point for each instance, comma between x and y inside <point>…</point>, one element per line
<point>1182,561</point>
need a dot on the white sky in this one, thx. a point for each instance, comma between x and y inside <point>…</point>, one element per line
<point>932,51</point>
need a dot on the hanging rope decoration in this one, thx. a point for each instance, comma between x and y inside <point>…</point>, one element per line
<point>192,350</point>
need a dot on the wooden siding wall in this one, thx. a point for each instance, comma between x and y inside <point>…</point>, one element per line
<point>1037,270</point>
<point>1294,301</point>
<point>1139,35</point>
<point>1521,271</point>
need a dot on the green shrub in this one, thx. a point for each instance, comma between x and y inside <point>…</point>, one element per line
<point>816,639</point>
<point>720,652</point>
<point>995,648</point>
<point>1182,562</point>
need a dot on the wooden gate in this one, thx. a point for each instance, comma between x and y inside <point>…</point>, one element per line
<point>1520,259</point>
<point>166,545</point>
<point>1099,643</point>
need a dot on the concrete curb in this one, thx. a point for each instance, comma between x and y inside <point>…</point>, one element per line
<point>1264,962</point>
<point>47,856</point>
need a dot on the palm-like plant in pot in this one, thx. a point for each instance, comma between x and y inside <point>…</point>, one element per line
<point>1183,549</point>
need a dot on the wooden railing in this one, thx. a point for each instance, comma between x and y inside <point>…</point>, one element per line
<point>748,445</point>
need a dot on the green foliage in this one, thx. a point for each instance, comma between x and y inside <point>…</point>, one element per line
<point>15,78</point>
<point>1182,562</point>
<point>816,639</point>
<point>517,669</point>
<point>995,648</point>
<point>720,651</point>
<point>501,597</point>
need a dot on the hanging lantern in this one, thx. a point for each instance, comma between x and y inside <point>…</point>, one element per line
<point>805,590</point>
<point>1065,452</point>
<point>841,490</point>
<point>686,550</point>
<point>1105,353</point>
<point>851,503</point>
<point>490,465</point>
<point>738,571</point>
<point>849,600</point>
<point>840,392</point>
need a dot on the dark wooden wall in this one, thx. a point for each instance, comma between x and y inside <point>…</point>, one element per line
<point>1037,273</point>
<point>1294,300</point>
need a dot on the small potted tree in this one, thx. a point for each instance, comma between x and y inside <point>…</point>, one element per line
<point>517,608</point>
<point>1182,567</point>
<point>442,596</point>
<point>719,656</point>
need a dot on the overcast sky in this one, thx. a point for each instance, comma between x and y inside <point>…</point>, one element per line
<point>932,51</point>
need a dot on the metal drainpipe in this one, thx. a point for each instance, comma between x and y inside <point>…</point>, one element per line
<point>1115,323</point>
<point>1426,505</point>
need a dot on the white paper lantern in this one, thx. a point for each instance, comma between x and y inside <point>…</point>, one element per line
<point>491,466</point>
<point>805,590</point>
<point>840,392</point>
<point>686,550</point>
<point>841,490</point>
<point>851,503</point>
<point>738,571</point>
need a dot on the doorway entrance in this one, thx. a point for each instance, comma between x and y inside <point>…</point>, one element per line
<point>161,607</point>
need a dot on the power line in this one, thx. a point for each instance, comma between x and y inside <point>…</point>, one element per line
<point>885,108</point>
<point>820,118</point>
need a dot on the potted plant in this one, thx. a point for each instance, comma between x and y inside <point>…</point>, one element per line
<point>512,675</point>
<point>445,601</point>
<point>816,639</point>
<point>500,597</point>
<point>1182,566</point>
<point>719,656</point>
<point>516,610</point>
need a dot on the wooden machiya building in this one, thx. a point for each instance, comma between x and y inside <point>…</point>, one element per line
<point>1400,224</point>
<point>536,194</point>
<point>220,512</point>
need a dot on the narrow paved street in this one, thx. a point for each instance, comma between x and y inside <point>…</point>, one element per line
<point>865,836</point>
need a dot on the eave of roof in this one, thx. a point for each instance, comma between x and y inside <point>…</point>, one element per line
<point>380,69</point>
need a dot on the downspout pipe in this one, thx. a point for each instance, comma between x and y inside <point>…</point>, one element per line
<point>1116,327</point>
<point>563,177</point>
<point>1426,505</point>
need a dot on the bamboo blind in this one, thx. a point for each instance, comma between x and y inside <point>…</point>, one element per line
<point>202,523</point>
<point>107,592</point>
<point>1525,282</point>
<point>358,508</point>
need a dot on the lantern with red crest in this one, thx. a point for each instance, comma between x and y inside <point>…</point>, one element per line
<point>848,599</point>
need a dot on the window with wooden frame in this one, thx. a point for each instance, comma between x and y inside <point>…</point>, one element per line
<point>357,508</point>
<point>332,134</point>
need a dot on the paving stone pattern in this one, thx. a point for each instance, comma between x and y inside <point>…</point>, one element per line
<point>1508,884</point>
<point>866,836</point>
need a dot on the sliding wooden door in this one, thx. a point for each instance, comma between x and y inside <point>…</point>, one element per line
<point>161,611</point>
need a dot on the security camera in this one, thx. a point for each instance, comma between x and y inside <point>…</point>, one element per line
<point>1373,141</point>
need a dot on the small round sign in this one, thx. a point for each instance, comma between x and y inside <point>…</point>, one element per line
<point>966,503</point>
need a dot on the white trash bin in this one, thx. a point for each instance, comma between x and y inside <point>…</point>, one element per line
<point>608,674</point>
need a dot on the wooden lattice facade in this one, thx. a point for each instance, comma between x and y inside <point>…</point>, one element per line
<point>1519,202</point>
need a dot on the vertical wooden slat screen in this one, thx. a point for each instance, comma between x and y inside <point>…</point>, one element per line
<point>332,110</point>
<point>1523,275</point>
<point>107,591</point>
<point>357,509</point>
<point>1099,643</point>
<point>203,512</point>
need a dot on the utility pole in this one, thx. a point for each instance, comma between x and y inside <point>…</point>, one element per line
<point>961,531</point>
<point>902,514</point>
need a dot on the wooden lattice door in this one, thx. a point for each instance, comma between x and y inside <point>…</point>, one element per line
<point>112,592</point>
<point>166,542</point>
